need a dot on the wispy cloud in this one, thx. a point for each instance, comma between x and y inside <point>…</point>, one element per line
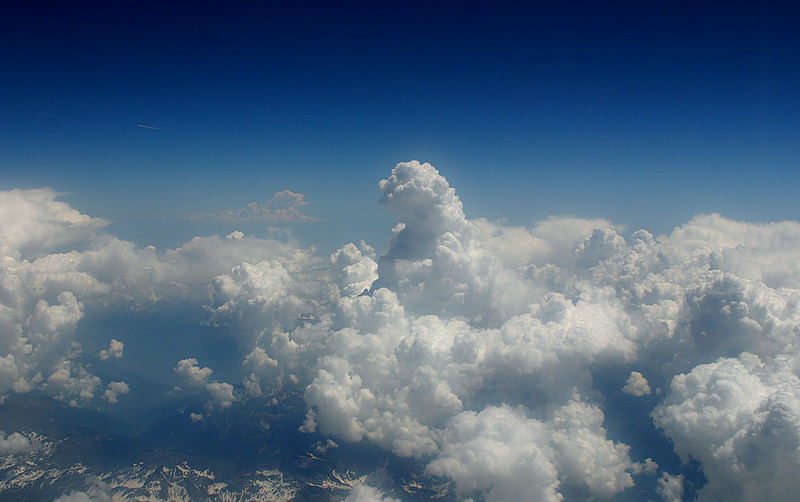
<point>284,207</point>
<point>145,126</point>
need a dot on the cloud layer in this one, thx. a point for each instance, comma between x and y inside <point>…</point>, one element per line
<point>484,352</point>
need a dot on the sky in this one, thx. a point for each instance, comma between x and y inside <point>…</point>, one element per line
<point>413,252</point>
<point>642,113</point>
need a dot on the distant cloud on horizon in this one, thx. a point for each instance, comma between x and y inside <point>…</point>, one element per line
<point>284,207</point>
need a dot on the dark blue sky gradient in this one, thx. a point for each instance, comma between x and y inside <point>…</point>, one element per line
<point>642,112</point>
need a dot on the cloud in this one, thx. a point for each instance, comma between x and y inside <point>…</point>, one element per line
<point>670,487</point>
<point>13,443</point>
<point>71,383</point>
<point>512,456</point>
<point>193,375</point>
<point>191,372</point>
<point>221,393</point>
<point>636,385</point>
<point>479,350</point>
<point>145,126</point>
<point>354,268</point>
<point>284,207</point>
<point>55,261</point>
<point>97,493</point>
<point>115,348</point>
<point>114,390</point>
<point>366,493</point>
<point>578,296</point>
<point>399,364</point>
<point>35,223</point>
<point>501,452</point>
<point>584,454</point>
<point>740,417</point>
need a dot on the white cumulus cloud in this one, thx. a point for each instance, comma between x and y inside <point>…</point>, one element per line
<point>636,385</point>
<point>114,350</point>
<point>114,390</point>
<point>478,349</point>
<point>366,493</point>
<point>13,443</point>
<point>191,372</point>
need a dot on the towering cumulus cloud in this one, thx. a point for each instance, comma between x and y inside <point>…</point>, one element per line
<point>507,363</point>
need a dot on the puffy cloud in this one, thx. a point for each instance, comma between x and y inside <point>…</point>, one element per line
<point>649,466</point>
<point>552,241</point>
<point>482,350</point>
<point>13,443</point>
<point>509,455</point>
<point>97,493</point>
<point>114,350</point>
<point>395,365</point>
<point>221,393</point>
<point>191,372</point>
<point>114,390</point>
<point>193,375</point>
<point>766,252</point>
<point>71,383</point>
<point>37,335</point>
<point>426,204</point>
<point>366,493</point>
<point>284,207</point>
<point>354,268</point>
<point>582,296</point>
<point>433,262</point>
<point>636,385</point>
<point>670,487</point>
<point>35,223</point>
<point>499,451</point>
<point>740,417</point>
<point>271,294</point>
<point>55,261</point>
<point>583,453</point>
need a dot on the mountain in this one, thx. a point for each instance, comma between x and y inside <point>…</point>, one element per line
<point>250,451</point>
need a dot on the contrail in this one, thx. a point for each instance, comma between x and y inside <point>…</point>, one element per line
<point>144,126</point>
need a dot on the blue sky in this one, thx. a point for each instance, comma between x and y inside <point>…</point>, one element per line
<point>643,114</point>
